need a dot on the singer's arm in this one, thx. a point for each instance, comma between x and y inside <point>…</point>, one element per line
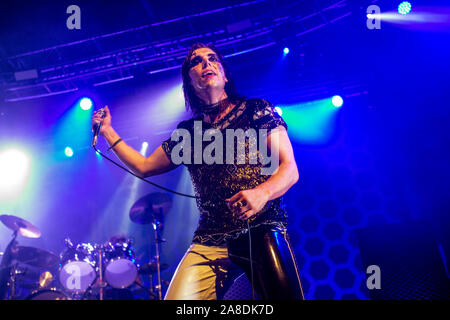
<point>155,164</point>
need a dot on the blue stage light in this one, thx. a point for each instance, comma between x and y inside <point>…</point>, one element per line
<point>404,7</point>
<point>86,103</point>
<point>311,122</point>
<point>337,101</point>
<point>68,152</point>
<point>286,50</point>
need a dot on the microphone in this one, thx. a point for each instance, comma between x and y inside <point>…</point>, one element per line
<point>97,127</point>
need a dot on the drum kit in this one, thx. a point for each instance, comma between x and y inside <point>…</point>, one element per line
<point>84,271</point>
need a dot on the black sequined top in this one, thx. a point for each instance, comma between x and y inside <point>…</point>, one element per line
<point>213,183</point>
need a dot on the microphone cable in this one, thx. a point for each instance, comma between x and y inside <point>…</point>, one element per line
<point>94,143</point>
<point>251,260</point>
<point>143,179</point>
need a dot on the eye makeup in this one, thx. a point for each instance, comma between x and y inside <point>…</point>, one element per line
<point>196,60</point>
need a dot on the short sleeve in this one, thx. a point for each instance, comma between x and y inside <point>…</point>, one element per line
<point>265,116</point>
<point>168,144</point>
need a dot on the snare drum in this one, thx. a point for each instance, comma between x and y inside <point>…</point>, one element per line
<point>120,265</point>
<point>78,268</point>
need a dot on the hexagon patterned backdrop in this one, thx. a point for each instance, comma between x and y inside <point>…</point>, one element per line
<point>341,189</point>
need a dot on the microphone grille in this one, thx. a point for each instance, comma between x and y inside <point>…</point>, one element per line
<point>101,112</point>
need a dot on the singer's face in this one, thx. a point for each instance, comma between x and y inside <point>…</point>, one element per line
<point>206,71</point>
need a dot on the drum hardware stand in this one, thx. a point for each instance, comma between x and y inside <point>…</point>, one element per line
<point>158,266</point>
<point>151,209</point>
<point>150,277</point>
<point>148,290</point>
<point>14,273</point>
<point>102,284</point>
<point>87,292</point>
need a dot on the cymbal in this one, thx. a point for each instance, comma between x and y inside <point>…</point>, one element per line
<point>36,257</point>
<point>151,267</point>
<point>153,206</point>
<point>20,225</point>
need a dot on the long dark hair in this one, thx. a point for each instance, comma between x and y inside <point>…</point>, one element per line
<point>192,101</point>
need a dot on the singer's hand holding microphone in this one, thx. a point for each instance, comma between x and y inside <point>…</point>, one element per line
<point>101,122</point>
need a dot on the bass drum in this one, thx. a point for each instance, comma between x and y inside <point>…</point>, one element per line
<point>121,269</point>
<point>47,294</point>
<point>78,268</point>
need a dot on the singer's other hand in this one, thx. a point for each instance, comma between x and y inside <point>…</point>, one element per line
<point>106,121</point>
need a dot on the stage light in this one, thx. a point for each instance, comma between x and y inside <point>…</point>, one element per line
<point>170,95</point>
<point>98,155</point>
<point>286,50</point>
<point>68,152</point>
<point>72,131</point>
<point>86,104</point>
<point>404,7</point>
<point>14,169</point>
<point>278,110</point>
<point>311,122</point>
<point>337,101</point>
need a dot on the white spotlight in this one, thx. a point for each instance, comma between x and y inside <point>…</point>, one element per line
<point>14,170</point>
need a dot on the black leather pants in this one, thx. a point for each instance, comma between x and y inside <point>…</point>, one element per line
<point>275,273</point>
